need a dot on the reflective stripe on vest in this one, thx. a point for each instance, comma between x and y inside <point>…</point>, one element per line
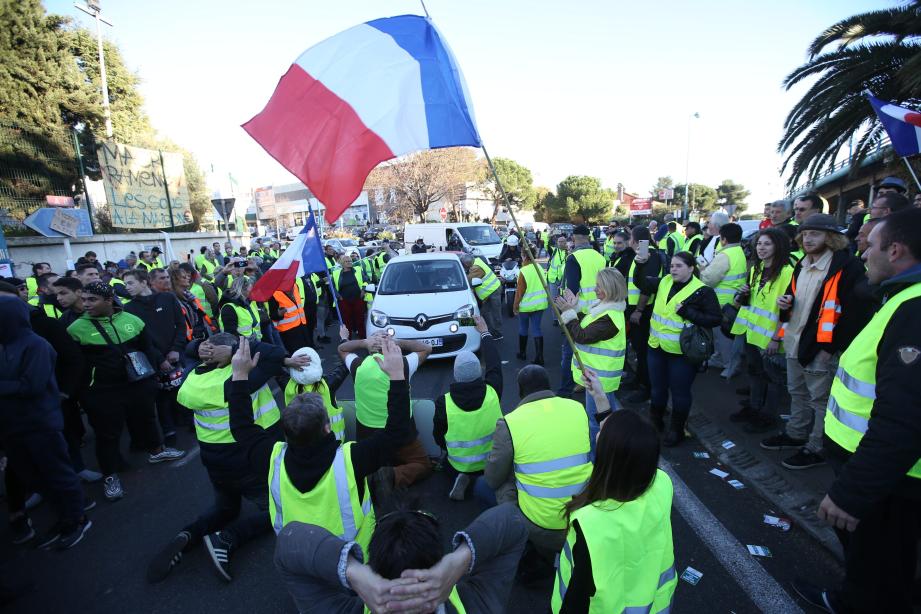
<point>336,418</point>
<point>469,435</point>
<point>829,310</point>
<point>631,550</point>
<point>534,297</point>
<point>556,267</point>
<point>333,503</point>
<point>853,391</point>
<point>247,320</point>
<point>735,276</point>
<point>666,324</point>
<point>551,457</point>
<point>590,262</point>
<point>293,310</point>
<point>633,292</point>
<point>758,321</point>
<point>490,282</point>
<point>606,357</point>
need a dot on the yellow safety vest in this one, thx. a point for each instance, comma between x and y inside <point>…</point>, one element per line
<point>735,276</point>
<point>590,262</point>
<point>608,248</point>
<point>203,393</point>
<point>333,503</point>
<point>247,320</point>
<point>490,281</point>
<point>551,455</point>
<point>556,266</point>
<point>336,418</point>
<point>469,435</point>
<point>758,320</point>
<point>606,358</point>
<point>32,287</point>
<point>453,599</point>
<point>631,551</point>
<point>633,291</point>
<point>534,298</point>
<point>666,324</point>
<point>853,391</point>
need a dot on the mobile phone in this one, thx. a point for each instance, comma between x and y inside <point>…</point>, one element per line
<point>642,249</point>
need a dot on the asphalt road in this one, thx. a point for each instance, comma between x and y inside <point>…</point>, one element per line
<point>712,523</point>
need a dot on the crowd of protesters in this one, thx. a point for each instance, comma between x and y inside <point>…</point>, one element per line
<point>820,318</point>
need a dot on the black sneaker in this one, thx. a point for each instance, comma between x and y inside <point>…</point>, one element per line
<point>814,595</point>
<point>50,537</point>
<point>164,561</point>
<point>21,530</point>
<point>219,550</point>
<point>804,459</point>
<point>73,535</point>
<point>782,442</point>
<point>746,414</point>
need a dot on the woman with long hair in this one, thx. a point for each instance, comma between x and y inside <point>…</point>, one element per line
<point>681,300</point>
<point>759,321</point>
<point>601,334</point>
<point>238,315</point>
<point>618,554</point>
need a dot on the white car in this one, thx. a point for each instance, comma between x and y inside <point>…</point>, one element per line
<point>427,298</point>
<point>343,246</point>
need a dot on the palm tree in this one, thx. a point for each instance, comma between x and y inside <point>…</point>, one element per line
<point>878,51</point>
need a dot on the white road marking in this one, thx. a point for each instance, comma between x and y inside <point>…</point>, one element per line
<point>191,454</point>
<point>762,589</point>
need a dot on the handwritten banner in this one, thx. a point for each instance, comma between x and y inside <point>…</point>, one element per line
<point>143,186</point>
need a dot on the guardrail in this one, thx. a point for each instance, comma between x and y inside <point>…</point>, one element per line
<point>839,166</point>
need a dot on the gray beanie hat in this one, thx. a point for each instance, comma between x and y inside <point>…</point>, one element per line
<point>466,367</point>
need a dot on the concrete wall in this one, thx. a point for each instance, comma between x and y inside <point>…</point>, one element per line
<point>27,250</point>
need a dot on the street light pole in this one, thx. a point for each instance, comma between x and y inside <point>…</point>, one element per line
<point>93,10</point>
<point>687,170</point>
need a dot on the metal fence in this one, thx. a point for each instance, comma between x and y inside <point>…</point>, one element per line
<point>34,163</point>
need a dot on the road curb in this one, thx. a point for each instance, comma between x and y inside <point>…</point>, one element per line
<point>798,504</point>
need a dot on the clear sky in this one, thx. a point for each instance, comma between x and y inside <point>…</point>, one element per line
<point>585,88</point>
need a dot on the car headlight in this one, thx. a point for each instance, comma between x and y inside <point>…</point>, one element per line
<point>464,312</point>
<point>379,318</point>
<point>476,251</point>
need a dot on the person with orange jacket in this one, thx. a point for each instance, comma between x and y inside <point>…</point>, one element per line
<point>286,309</point>
<point>826,306</point>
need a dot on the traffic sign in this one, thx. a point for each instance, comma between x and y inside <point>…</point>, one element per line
<point>41,222</point>
<point>443,213</point>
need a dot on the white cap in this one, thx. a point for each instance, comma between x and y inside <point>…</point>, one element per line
<point>310,374</point>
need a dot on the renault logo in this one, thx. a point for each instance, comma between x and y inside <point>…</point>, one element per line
<point>421,320</point>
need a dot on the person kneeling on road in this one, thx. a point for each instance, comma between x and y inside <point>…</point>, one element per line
<point>310,378</point>
<point>311,474</point>
<point>406,570</point>
<point>465,417</point>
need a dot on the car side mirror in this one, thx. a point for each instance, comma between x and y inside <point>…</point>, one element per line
<point>476,282</point>
<point>370,288</point>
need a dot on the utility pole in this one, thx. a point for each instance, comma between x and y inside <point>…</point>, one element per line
<point>93,9</point>
<point>687,170</point>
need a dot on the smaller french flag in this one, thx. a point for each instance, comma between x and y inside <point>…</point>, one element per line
<point>303,256</point>
<point>903,126</point>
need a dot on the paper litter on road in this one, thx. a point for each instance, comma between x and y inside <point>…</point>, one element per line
<point>783,524</point>
<point>701,455</point>
<point>504,362</point>
<point>785,417</point>
<point>691,576</point>
<point>728,444</point>
<point>719,474</point>
<point>758,550</point>
<point>737,484</point>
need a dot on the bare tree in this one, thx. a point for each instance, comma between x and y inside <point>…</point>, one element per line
<point>422,178</point>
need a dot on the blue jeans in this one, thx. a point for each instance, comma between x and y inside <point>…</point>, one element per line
<point>530,319</point>
<point>670,373</point>
<point>612,399</point>
<point>566,381</point>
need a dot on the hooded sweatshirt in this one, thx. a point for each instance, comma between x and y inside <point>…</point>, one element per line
<point>29,398</point>
<point>163,320</point>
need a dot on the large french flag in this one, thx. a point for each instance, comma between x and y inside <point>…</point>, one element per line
<point>379,90</point>
<point>303,256</point>
<point>903,126</point>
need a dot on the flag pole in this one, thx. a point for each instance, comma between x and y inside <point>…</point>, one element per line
<point>912,171</point>
<point>527,248</point>
<point>329,275</point>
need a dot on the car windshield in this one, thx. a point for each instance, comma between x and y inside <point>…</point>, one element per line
<point>479,235</point>
<point>422,277</point>
<point>348,243</point>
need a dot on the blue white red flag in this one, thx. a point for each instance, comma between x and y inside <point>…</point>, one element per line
<point>903,126</point>
<point>376,91</point>
<point>303,256</point>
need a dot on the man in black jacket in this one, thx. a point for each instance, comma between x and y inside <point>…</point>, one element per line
<point>826,306</point>
<point>874,441</point>
<point>468,392</point>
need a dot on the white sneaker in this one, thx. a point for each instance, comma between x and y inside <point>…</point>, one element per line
<point>112,488</point>
<point>167,454</point>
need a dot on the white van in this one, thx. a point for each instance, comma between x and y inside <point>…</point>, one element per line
<point>480,237</point>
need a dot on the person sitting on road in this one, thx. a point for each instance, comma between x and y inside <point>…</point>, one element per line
<point>371,388</point>
<point>311,474</point>
<point>465,417</point>
<point>541,456</point>
<point>619,554</point>
<point>406,570</point>
<point>310,378</point>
